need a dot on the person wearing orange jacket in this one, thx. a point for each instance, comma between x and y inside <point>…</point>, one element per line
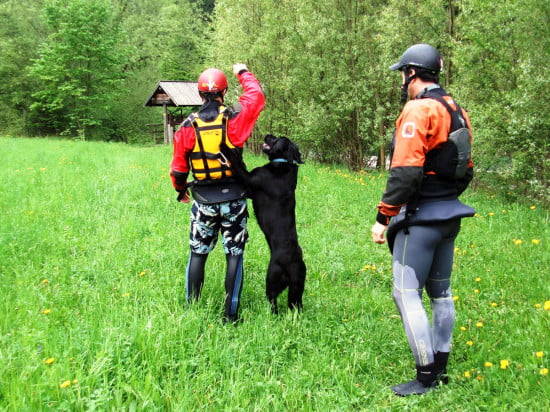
<point>420,213</point>
<point>219,202</point>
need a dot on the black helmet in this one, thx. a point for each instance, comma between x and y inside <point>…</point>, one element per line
<point>420,55</point>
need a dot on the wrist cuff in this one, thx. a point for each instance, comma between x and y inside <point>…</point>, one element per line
<point>383,219</point>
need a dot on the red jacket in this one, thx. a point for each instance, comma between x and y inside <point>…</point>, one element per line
<point>423,125</point>
<point>239,128</point>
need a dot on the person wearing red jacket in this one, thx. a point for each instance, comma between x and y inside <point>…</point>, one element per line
<point>219,202</point>
<point>420,213</point>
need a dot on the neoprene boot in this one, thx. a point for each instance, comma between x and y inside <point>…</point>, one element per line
<point>233,287</point>
<point>440,362</point>
<point>194,278</point>
<point>426,380</point>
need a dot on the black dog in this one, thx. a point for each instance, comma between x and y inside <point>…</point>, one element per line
<point>271,188</point>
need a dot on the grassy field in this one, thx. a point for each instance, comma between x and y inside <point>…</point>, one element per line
<point>93,248</point>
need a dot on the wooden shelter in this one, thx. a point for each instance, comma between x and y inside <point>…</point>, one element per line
<point>173,94</point>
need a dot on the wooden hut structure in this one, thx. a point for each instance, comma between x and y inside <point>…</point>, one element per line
<point>173,94</point>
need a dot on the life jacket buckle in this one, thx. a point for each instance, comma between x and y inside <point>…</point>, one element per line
<point>223,160</point>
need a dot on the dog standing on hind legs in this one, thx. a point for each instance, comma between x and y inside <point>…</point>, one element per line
<point>272,190</point>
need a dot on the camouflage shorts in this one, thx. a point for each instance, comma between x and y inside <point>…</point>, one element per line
<point>207,220</point>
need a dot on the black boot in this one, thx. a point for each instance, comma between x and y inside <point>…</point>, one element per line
<point>426,380</point>
<point>440,362</point>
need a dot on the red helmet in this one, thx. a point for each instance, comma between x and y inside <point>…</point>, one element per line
<point>212,81</point>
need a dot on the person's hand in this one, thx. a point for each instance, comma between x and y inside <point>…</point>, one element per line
<point>378,230</point>
<point>238,67</point>
<point>183,196</point>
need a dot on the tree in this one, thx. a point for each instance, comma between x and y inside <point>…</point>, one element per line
<point>79,69</point>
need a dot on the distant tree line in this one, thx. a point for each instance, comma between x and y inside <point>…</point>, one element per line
<point>80,68</point>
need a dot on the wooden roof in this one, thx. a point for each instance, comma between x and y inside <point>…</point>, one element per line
<point>175,94</point>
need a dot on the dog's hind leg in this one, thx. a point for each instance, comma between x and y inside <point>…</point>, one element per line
<point>276,282</point>
<point>296,286</point>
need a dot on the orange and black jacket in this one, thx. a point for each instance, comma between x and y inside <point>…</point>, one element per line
<point>424,125</point>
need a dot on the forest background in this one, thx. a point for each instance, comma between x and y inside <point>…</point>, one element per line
<point>83,70</point>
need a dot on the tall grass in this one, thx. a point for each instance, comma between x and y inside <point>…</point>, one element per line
<point>93,248</point>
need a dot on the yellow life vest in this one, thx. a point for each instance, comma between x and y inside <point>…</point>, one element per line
<point>206,160</point>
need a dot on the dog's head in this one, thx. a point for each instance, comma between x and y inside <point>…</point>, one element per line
<point>281,148</point>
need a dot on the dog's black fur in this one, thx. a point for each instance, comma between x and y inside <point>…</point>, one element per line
<point>272,190</point>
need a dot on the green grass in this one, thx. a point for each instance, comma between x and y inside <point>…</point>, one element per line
<point>93,248</point>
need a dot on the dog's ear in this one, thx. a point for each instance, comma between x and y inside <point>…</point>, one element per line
<point>293,153</point>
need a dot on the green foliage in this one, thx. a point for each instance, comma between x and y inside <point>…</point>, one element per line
<point>93,247</point>
<point>78,68</point>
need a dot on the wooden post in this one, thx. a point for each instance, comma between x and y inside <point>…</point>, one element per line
<point>165,123</point>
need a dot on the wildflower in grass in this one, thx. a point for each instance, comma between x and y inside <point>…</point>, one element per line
<point>469,343</point>
<point>142,273</point>
<point>455,298</point>
<point>65,384</point>
<point>491,214</point>
<point>488,364</point>
<point>467,374</point>
<point>463,328</point>
<point>533,207</point>
<point>479,377</point>
<point>517,242</point>
<point>544,371</point>
<point>493,304</point>
<point>539,354</point>
<point>504,363</point>
<point>45,281</point>
<point>476,290</point>
<point>46,311</point>
<point>125,295</point>
<point>503,210</point>
<point>478,279</point>
<point>535,241</point>
<point>479,324</point>
<point>49,361</point>
<point>547,305</point>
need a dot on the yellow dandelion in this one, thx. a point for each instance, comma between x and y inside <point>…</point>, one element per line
<point>544,371</point>
<point>469,343</point>
<point>491,214</point>
<point>49,361</point>
<point>476,290</point>
<point>538,305</point>
<point>488,364</point>
<point>478,279</point>
<point>535,241</point>
<point>142,273</point>
<point>463,328</point>
<point>479,377</point>
<point>503,210</point>
<point>45,281</point>
<point>65,384</point>
<point>547,305</point>
<point>455,298</point>
<point>539,354</point>
<point>479,324</point>
<point>533,207</point>
<point>75,381</point>
<point>518,242</point>
<point>46,311</point>
<point>346,320</point>
<point>493,304</point>
<point>467,374</point>
<point>504,363</point>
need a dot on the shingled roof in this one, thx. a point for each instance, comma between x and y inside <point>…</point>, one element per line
<point>175,94</point>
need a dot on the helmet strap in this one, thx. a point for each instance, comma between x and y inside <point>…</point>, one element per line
<point>405,85</point>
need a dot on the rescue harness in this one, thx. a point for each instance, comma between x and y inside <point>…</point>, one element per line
<point>208,163</point>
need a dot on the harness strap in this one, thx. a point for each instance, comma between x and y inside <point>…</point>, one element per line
<point>205,156</point>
